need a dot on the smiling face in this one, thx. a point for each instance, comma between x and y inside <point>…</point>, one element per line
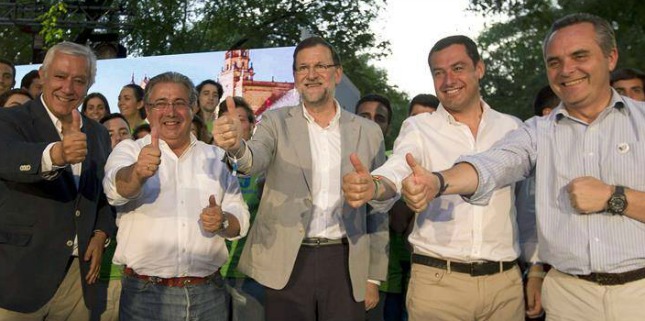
<point>95,109</point>
<point>128,104</point>
<point>65,83</point>
<point>577,69</point>
<point>173,123</point>
<point>316,88</point>
<point>456,78</point>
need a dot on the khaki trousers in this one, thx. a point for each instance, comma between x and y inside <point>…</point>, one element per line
<point>435,294</point>
<point>66,305</point>
<point>566,297</point>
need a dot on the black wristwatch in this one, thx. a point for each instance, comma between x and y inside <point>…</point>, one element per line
<point>617,203</point>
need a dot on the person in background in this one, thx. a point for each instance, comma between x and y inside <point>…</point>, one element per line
<point>423,103</point>
<point>95,106</point>
<point>7,75</point>
<point>31,82</point>
<point>629,82</point>
<point>245,294</point>
<point>109,283</point>
<point>141,131</point>
<point>131,105</point>
<point>209,94</point>
<point>14,97</point>
<point>545,101</point>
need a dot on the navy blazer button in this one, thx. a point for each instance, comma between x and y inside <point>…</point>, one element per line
<point>25,168</point>
<point>77,213</point>
<point>70,243</point>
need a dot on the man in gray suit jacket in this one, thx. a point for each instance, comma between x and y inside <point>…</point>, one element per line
<point>316,255</point>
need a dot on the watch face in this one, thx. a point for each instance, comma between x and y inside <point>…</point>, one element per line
<point>617,204</point>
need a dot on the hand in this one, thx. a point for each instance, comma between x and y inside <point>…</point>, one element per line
<point>94,254</point>
<point>149,157</point>
<point>420,187</point>
<point>588,194</point>
<point>358,186</point>
<point>534,297</point>
<point>73,148</point>
<point>212,216</point>
<point>371,296</point>
<point>227,129</point>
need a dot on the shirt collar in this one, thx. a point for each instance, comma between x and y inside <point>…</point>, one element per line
<point>310,119</point>
<point>57,123</point>
<point>441,111</point>
<point>617,103</point>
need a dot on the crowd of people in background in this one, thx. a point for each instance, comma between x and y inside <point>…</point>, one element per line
<point>473,215</point>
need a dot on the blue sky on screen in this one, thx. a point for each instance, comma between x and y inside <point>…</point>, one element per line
<point>112,74</point>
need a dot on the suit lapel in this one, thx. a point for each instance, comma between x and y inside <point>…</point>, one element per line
<point>299,134</point>
<point>349,136</point>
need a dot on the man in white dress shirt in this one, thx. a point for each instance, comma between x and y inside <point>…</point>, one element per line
<point>464,261</point>
<point>176,202</point>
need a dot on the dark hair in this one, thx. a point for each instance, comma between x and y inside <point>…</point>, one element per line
<point>13,68</point>
<point>604,32</point>
<point>113,116</point>
<point>220,90</point>
<point>427,100</point>
<point>16,91</point>
<point>379,99</point>
<point>28,78</point>
<point>471,47</point>
<point>139,94</point>
<point>312,42</point>
<point>95,95</point>
<point>239,102</point>
<point>627,74</point>
<point>145,127</point>
<point>201,127</point>
<point>175,78</point>
<point>545,98</point>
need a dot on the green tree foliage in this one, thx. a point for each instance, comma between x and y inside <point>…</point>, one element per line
<point>512,49</point>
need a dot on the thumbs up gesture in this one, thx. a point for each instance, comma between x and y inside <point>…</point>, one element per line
<point>227,129</point>
<point>149,157</point>
<point>420,187</point>
<point>358,186</point>
<point>212,216</point>
<point>73,148</point>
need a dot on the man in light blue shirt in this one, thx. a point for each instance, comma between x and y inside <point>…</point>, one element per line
<point>587,155</point>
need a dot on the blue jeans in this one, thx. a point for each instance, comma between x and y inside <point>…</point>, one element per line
<point>144,301</point>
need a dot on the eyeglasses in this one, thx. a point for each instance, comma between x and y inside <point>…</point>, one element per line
<point>319,68</point>
<point>165,105</point>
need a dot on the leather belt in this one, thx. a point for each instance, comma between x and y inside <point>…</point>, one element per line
<point>613,278</point>
<point>474,269</point>
<point>321,241</point>
<point>171,282</point>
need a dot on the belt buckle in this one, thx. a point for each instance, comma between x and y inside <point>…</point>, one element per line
<point>478,269</point>
<point>604,279</point>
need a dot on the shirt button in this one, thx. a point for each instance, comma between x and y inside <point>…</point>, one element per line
<point>77,213</point>
<point>70,243</point>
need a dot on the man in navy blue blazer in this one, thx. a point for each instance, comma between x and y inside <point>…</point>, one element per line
<point>54,217</point>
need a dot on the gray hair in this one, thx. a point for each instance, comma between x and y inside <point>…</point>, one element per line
<point>74,49</point>
<point>172,77</point>
<point>604,32</point>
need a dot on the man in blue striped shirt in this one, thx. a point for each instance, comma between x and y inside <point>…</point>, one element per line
<point>590,184</point>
